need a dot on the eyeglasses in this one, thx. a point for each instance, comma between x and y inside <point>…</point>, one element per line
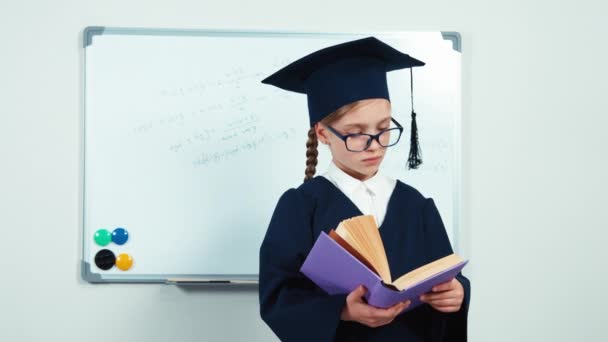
<point>358,142</point>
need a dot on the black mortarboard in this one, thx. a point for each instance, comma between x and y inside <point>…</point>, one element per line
<point>345,73</point>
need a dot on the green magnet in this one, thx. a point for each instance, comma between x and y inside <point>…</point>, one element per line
<point>103,237</point>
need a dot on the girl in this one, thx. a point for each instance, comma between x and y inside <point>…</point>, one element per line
<point>350,112</point>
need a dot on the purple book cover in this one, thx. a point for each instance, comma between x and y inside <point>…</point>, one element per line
<point>336,271</point>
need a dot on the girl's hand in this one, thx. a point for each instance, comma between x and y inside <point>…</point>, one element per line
<point>359,311</point>
<point>446,297</point>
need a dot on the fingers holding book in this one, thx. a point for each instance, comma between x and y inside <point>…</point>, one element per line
<point>356,309</point>
<point>445,297</point>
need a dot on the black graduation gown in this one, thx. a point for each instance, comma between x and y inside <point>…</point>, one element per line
<point>297,310</point>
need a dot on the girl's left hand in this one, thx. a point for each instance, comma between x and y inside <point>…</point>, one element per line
<point>446,297</point>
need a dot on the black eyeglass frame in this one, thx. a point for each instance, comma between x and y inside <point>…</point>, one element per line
<point>370,136</point>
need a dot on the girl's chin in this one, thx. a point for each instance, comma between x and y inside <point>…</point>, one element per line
<point>369,170</point>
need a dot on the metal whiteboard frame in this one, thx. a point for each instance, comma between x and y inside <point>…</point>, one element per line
<point>89,34</point>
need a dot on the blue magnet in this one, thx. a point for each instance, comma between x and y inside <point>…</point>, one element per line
<point>120,236</point>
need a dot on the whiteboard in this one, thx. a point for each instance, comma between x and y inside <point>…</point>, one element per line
<point>186,149</point>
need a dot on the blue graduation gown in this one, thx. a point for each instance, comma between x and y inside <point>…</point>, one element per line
<point>297,310</point>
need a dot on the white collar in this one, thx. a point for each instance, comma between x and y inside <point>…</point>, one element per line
<point>377,184</point>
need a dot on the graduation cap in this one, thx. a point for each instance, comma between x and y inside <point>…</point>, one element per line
<point>345,73</point>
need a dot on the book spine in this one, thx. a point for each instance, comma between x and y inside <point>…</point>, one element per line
<point>374,296</point>
<point>383,296</point>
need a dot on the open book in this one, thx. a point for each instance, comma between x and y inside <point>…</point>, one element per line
<point>354,255</point>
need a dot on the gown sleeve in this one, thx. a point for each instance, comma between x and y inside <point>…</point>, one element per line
<point>446,326</point>
<point>291,304</point>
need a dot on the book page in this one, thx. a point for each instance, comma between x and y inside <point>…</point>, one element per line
<point>426,271</point>
<point>362,233</point>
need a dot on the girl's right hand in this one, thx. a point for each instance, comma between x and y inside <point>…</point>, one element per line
<point>359,311</point>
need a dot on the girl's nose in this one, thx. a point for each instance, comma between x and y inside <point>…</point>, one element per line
<point>374,145</point>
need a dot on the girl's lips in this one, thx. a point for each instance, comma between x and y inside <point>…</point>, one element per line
<point>371,159</point>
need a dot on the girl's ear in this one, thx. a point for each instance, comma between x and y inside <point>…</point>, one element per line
<point>320,131</point>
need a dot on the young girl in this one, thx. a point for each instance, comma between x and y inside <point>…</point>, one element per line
<point>350,112</point>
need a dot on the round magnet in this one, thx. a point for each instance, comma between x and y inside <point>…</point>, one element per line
<point>103,237</point>
<point>120,236</point>
<point>105,259</point>
<point>124,261</point>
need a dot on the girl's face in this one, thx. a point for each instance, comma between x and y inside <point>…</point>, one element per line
<point>371,116</point>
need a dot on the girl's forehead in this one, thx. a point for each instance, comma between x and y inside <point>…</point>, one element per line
<point>368,114</point>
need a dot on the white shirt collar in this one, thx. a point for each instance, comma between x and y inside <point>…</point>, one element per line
<point>378,183</point>
<point>371,196</point>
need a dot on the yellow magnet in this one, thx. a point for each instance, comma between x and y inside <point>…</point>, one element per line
<point>124,261</point>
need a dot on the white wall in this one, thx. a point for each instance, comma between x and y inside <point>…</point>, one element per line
<point>533,170</point>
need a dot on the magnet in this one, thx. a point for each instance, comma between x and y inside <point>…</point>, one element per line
<point>105,259</point>
<point>103,237</point>
<point>124,261</point>
<point>120,236</point>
